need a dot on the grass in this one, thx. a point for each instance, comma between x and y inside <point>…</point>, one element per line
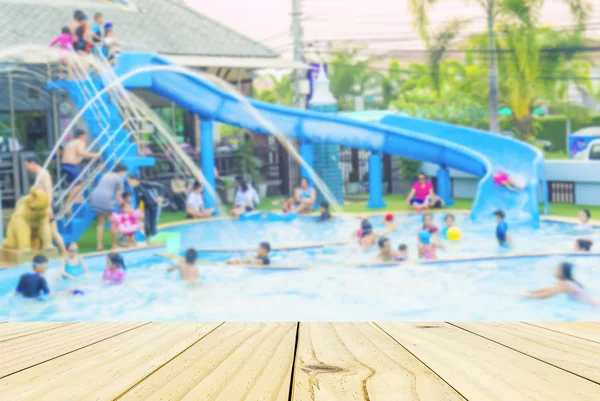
<point>396,203</point>
<point>557,155</point>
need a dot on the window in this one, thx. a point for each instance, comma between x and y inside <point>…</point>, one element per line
<point>595,152</point>
<point>561,192</point>
<point>33,93</point>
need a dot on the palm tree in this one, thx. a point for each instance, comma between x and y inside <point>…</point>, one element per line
<point>493,9</point>
<point>281,90</point>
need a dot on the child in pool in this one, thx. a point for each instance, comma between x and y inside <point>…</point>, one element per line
<point>187,270</point>
<point>566,285</point>
<point>261,258</point>
<point>428,224</point>
<point>366,236</point>
<point>583,245</point>
<point>449,223</point>
<point>402,253</point>
<point>324,210</point>
<point>385,250</point>
<point>390,226</point>
<point>114,272</point>
<point>502,234</point>
<point>584,226</point>
<point>427,248</point>
<point>33,284</point>
<point>127,223</point>
<point>502,178</point>
<point>73,264</point>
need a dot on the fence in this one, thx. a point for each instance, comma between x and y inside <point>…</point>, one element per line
<point>354,164</point>
<point>561,192</point>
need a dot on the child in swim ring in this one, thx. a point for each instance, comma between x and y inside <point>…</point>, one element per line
<point>449,223</point>
<point>427,248</point>
<point>114,272</point>
<point>127,223</point>
<point>585,225</point>
<point>502,178</point>
<point>566,285</point>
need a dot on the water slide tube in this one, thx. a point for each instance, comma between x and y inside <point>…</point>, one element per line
<point>211,102</point>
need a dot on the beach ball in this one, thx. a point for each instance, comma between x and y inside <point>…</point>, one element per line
<point>454,234</point>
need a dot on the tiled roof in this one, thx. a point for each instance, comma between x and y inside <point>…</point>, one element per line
<point>164,26</point>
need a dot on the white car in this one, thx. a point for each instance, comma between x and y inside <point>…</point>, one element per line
<point>592,152</point>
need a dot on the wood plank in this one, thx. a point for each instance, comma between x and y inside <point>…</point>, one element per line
<point>482,370</point>
<point>588,330</point>
<point>19,329</point>
<point>104,370</point>
<point>576,355</point>
<point>237,361</point>
<point>358,361</point>
<point>23,352</point>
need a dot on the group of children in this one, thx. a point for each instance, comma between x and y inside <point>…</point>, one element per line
<point>100,40</point>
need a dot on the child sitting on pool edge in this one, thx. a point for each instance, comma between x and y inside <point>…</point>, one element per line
<point>324,210</point>
<point>261,258</point>
<point>114,272</point>
<point>187,270</point>
<point>502,235</point>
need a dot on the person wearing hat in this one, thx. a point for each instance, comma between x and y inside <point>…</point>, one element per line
<point>390,226</point>
<point>111,42</point>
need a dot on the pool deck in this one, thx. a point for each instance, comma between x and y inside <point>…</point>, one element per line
<point>300,361</point>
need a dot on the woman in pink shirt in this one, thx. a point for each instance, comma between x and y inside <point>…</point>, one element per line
<point>419,192</point>
<point>65,42</point>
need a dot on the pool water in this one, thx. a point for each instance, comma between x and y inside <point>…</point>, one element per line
<point>485,290</point>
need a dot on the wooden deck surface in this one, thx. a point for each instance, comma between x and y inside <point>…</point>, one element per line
<point>300,361</point>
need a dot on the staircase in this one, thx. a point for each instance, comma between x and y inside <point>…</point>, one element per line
<point>109,133</point>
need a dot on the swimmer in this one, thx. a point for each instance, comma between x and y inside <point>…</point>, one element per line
<point>566,285</point>
<point>114,272</point>
<point>502,235</point>
<point>428,224</point>
<point>427,248</point>
<point>33,284</point>
<point>187,270</point>
<point>585,225</point>
<point>385,250</point>
<point>449,223</point>
<point>390,226</point>
<point>402,253</point>
<point>324,210</point>
<point>583,245</point>
<point>366,236</point>
<point>73,264</point>
<point>502,178</point>
<point>261,258</point>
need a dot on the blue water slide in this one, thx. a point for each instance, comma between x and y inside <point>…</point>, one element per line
<point>523,162</point>
<point>192,92</point>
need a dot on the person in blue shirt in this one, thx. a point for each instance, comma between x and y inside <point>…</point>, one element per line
<point>305,197</point>
<point>502,235</point>
<point>98,34</point>
<point>33,284</point>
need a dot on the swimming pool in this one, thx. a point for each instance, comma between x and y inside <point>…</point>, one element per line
<point>483,290</point>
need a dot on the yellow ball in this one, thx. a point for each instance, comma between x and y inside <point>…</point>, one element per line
<point>454,234</point>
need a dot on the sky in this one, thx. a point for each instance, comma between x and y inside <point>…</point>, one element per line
<point>388,23</point>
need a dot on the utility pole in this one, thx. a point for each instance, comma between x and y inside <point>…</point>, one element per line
<point>293,171</point>
<point>492,68</point>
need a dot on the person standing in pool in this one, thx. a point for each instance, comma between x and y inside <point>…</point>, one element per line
<point>73,264</point>
<point>426,247</point>
<point>502,234</point>
<point>449,223</point>
<point>305,197</point>
<point>33,284</point>
<point>365,234</point>
<point>585,225</point>
<point>114,272</point>
<point>103,200</point>
<point>385,250</point>
<point>583,245</point>
<point>421,190</point>
<point>261,258</point>
<point>73,155</point>
<point>402,253</point>
<point>566,285</point>
<point>188,271</point>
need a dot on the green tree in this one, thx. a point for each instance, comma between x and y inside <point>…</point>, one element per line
<point>281,90</point>
<point>494,9</point>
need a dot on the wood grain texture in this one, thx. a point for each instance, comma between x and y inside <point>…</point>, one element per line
<point>587,330</point>
<point>26,351</point>
<point>19,329</point>
<point>482,370</point>
<point>576,355</point>
<point>237,361</point>
<point>358,361</point>
<point>105,370</point>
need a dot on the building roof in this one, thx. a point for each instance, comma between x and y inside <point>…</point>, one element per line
<point>164,26</point>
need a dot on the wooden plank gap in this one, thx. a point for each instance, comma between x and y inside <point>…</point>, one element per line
<point>420,360</point>
<point>558,329</point>
<point>292,376</point>
<point>58,325</point>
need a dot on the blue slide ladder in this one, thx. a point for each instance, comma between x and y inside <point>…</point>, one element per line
<point>108,132</point>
